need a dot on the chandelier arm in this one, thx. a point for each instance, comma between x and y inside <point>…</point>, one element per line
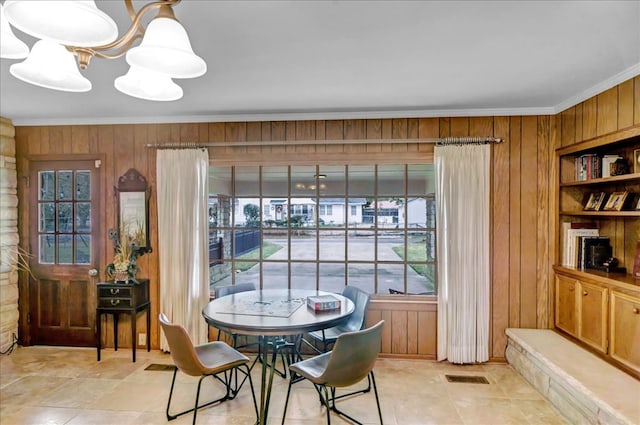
<point>135,31</point>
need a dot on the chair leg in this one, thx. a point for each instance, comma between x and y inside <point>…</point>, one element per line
<point>226,396</point>
<point>365,390</point>
<point>341,413</point>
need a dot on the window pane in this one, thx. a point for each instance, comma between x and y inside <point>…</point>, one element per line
<point>390,276</point>
<point>65,186</point>
<point>220,180</point>
<point>361,246</point>
<point>65,217</point>
<point>420,278</point>
<point>47,249</point>
<point>274,212</point>
<point>416,213</point>
<point>303,182</point>
<point>275,181</point>
<point>47,184</point>
<point>83,249</point>
<point>47,213</point>
<point>331,180</point>
<point>246,244</point>
<point>276,276</point>
<point>274,244</point>
<point>390,180</point>
<point>354,211</point>
<point>302,212</point>
<point>303,246</point>
<point>332,245</point>
<point>83,217</point>
<point>65,249</point>
<point>246,272</point>
<point>247,212</point>
<point>303,275</point>
<point>331,212</point>
<point>421,179</point>
<point>332,277</point>
<point>362,276</point>
<point>83,185</point>
<point>390,246</point>
<point>247,181</point>
<point>361,180</point>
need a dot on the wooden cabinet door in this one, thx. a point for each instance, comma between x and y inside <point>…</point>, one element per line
<point>565,317</point>
<point>625,329</point>
<point>593,315</point>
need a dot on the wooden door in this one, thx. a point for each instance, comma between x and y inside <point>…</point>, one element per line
<point>566,305</point>
<point>593,316</point>
<point>63,240</point>
<point>625,329</point>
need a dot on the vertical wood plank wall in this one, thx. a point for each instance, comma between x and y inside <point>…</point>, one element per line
<point>523,172</point>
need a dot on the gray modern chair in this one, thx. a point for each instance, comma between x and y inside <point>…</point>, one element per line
<point>355,322</point>
<point>351,360</point>
<point>211,359</point>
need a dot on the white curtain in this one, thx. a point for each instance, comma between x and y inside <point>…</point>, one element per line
<point>183,238</point>
<point>462,216</point>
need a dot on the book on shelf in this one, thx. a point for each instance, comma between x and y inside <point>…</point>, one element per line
<point>591,250</point>
<point>320,303</point>
<point>587,167</point>
<point>570,232</point>
<point>607,160</point>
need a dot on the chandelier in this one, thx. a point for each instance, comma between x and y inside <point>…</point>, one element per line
<point>78,28</point>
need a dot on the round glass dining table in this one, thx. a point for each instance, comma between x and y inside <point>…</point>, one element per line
<point>272,313</point>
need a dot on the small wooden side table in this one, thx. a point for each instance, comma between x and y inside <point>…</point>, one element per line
<point>128,298</point>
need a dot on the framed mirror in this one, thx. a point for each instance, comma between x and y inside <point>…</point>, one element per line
<point>132,200</point>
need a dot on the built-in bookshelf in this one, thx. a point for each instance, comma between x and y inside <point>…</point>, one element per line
<point>612,202</point>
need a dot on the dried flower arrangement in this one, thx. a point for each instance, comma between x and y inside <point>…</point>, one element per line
<point>123,268</point>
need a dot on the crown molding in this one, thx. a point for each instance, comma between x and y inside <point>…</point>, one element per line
<point>603,86</point>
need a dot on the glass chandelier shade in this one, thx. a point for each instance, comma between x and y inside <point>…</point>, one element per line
<point>166,48</point>
<point>70,29</point>
<point>75,23</point>
<point>148,85</point>
<point>52,66</point>
<point>10,46</point>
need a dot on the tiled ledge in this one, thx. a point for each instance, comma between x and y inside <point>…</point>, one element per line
<point>583,387</point>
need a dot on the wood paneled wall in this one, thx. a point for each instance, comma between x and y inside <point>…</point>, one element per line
<point>522,173</point>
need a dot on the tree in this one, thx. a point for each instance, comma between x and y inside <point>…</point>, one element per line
<point>251,214</point>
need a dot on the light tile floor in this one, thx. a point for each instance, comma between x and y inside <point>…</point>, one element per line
<point>47,385</point>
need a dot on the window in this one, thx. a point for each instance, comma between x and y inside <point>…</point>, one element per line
<point>64,217</point>
<point>372,226</point>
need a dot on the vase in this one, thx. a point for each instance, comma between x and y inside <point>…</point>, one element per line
<point>120,276</point>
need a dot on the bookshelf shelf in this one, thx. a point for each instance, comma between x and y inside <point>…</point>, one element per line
<point>607,180</point>
<point>601,213</point>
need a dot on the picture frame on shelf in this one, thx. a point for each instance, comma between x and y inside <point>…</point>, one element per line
<point>616,201</point>
<point>636,161</point>
<point>595,201</point>
<point>638,204</point>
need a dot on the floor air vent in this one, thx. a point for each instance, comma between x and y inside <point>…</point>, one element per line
<point>467,379</point>
<point>163,367</point>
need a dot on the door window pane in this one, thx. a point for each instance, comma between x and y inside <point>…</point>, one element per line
<point>47,249</point>
<point>47,186</point>
<point>83,249</point>
<point>65,185</point>
<point>65,218</point>
<point>65,249</point>
<point>83,217</point>
<point>47,214</point>
<point>83,185</point>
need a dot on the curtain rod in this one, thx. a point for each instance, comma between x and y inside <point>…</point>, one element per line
<point>439,141</point>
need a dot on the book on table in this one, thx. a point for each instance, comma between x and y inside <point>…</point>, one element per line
<point>320,303</point>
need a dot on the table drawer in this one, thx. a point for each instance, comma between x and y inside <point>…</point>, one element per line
<point>115,302</point>
<point>111,292</point>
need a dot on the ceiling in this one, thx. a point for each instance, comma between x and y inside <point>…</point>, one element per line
<point>277,60</point>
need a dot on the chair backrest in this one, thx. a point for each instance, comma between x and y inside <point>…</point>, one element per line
<point>353,356</point>
<point>183,352</point>
<point>233,289</point>
<point>360,299</point>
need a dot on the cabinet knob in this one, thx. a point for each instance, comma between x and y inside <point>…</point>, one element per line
<point>585,293</point>
<point>115,302</point>
<point>114,291</point>
<point>636,310</point>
